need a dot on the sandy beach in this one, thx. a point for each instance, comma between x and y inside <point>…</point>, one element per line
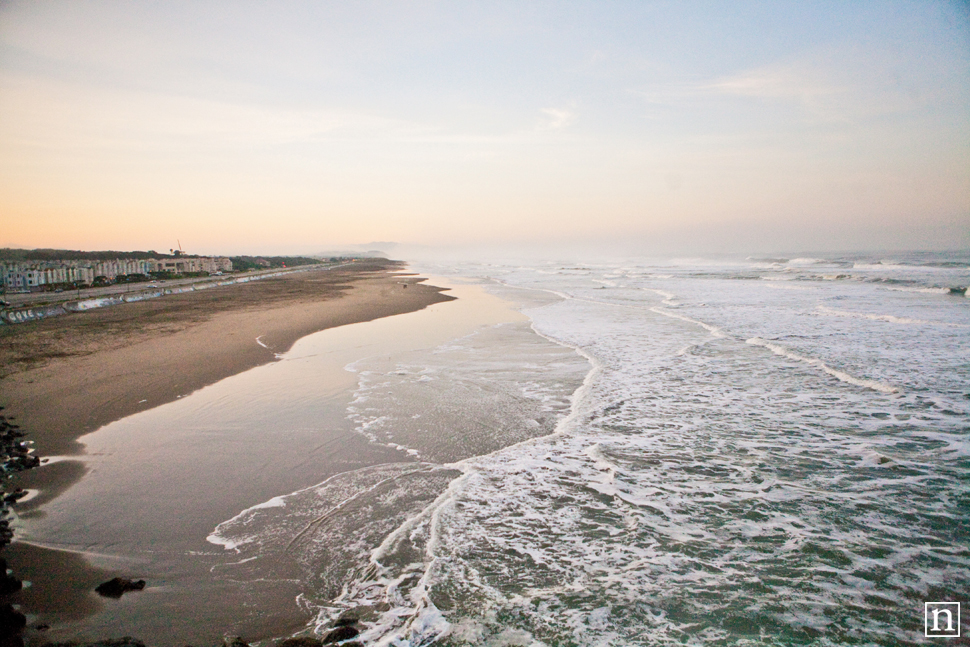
<point>67,376</point>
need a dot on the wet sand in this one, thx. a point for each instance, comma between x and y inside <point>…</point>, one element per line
<point>67,376</point>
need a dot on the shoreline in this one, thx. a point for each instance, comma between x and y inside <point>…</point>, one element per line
<point>67,376</point>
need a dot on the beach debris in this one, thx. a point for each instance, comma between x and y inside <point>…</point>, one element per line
<point>118,586</point>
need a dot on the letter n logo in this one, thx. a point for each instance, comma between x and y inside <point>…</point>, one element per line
<point>941,619</point>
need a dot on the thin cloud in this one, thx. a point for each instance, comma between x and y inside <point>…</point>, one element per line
<point>830,87</point>
<point>57,114</point>
<point>842,84</point>
<point>556,118</point>
<point>777,83</point>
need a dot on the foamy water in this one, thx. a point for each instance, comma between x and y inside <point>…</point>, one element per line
<point>667,453</point>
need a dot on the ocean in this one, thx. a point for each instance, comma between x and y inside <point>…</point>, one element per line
<point>717,452</point>
<point>757,451</point>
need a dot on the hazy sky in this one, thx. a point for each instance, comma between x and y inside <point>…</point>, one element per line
<point>286,127</point>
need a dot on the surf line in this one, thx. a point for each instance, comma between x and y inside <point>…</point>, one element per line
<point>423,618</point>
<point>714,330</point>
<point>825,310</point>
<point>754,341</point>
<point>840,375</point>
<point>668,299</point>
<point>312,525</point>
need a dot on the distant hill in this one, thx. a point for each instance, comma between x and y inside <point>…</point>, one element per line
<point>243,263</point>
<point>368,250</point>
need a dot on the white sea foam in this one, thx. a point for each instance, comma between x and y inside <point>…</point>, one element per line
<point>669,299</point>
<point>881,266</point>
<point>840,375</point>
<point>825,310</point>
<point>896,288</point>
<point>788,286</point>
<point>714,330</point>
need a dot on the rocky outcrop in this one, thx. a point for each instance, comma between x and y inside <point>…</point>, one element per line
<point>15,455</point>
<point>11,620</point>
<point>8,583</point>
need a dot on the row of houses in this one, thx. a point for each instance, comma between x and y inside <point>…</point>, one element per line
<point>28,275</point>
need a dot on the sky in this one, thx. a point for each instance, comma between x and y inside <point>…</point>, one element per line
<point>293,127</point>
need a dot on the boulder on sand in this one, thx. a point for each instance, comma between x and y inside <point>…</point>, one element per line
<point>300,642</point>
<point>345,632</point>
<point>115,588</point>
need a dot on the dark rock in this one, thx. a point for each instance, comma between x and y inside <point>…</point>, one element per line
<point>8,583</point>
<point>363,613</point>
<point>11,641</point>
<point>346,621</point>
<point>340,633</point>
<point>235,641</point>
<point>15,496</point>
<point>11,620</point>
<point>300,642</point>
<point>118,586</point>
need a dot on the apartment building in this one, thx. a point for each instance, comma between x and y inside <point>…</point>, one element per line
<point>30,275</point>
